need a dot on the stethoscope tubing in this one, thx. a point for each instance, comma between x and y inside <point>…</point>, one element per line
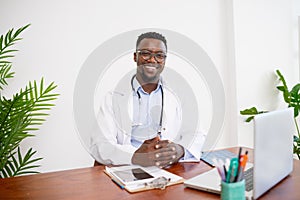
<point>162,103</point>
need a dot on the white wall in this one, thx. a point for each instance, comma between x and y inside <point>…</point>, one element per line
<point>64,33</point>
<point>264,41</point>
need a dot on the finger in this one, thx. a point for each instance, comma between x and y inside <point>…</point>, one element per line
<point>153,140</point>
<point>165,155</point>
<point>164,164</point>
<point>165,149</point>
<point>162,144</point>
<point>167,158</point>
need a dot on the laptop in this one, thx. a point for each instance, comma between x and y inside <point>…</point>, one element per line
<point>273,156</point>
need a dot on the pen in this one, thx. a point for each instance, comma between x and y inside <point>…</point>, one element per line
<point>219,165</point>
<point>117,183</point>
<point>243,160</point>
<point>240,151</point>
<point>239,166</point>
<point>227,163</point>
<point>232,172</point>
<point>225,171</point>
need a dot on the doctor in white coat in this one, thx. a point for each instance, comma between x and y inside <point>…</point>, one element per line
<point>141,122</point>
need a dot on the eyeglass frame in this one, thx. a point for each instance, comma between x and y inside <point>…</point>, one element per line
<point>152,54</point>
<point>158,183</point>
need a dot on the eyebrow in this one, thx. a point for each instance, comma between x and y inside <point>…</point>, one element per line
<point>159,51</point>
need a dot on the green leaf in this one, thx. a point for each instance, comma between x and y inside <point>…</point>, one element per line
<point>284,88</point>
<point>249,119</point>
<point>249,111</point>
<point>8,171</point>
<point>5,73</point>
<point>9,51</point>
<point>5,175</point>
<point>281,88</point>
<point>9,39</point>
<point>8,56</point>
<point>295,99</point>
<point>42,85</point>
<point>21,114</point>
<point>25,163</point>
<point>35,90</point>
<point>1,41</point>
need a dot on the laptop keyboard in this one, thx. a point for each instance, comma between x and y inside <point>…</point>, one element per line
<point>219,154</point>
<point>223,154</point>
<point>248,175</point>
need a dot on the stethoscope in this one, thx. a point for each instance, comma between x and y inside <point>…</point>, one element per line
<point>140,101</point>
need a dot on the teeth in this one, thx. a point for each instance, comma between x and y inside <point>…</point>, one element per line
<point>150,67</point>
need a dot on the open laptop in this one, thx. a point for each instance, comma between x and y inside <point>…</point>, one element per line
<point>273,155</point>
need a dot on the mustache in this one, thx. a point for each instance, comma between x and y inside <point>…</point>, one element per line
<point>155,65</point>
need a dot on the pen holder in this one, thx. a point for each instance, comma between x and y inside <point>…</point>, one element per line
<point>233,191</point>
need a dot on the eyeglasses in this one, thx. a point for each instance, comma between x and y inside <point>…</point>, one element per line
<point>158,183</point>
<point>147,55</point>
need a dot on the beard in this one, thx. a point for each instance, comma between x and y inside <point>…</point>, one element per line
<point>150,72</point>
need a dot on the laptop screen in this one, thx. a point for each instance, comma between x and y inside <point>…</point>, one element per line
<point>273,149</point>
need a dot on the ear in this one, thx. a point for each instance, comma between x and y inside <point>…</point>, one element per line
<point>134,56</point>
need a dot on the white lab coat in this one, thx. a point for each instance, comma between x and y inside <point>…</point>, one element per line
<point>112,145</point>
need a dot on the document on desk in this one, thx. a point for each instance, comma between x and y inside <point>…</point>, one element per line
<point>135,178</point>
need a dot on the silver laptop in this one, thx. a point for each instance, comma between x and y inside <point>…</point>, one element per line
<point>273,155</point>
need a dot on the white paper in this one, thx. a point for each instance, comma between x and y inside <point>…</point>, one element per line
<point>153,171</point>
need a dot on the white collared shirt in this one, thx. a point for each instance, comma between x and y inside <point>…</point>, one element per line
<point>146,112</point>
<point>146,116</point>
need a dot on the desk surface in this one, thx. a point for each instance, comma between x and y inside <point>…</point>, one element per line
<point>93,183</point>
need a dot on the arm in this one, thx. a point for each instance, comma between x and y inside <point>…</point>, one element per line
<point>192,146</point>
<point>111,145</point>
<point>181,130</point>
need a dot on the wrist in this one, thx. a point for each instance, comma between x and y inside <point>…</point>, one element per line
<point>180,151</point>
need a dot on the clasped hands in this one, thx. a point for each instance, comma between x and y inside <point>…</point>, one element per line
<point>156,152</point>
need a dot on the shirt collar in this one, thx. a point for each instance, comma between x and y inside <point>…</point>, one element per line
<point>136,85</point>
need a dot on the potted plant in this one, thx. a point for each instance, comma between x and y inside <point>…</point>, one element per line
<point>21,114</point>
<point>292,98</point>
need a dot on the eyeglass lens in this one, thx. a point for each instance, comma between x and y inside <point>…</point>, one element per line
<point>146,55</point>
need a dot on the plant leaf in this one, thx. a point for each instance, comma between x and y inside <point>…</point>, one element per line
<point>295,99</point>
<point>251,111</point>
<point>284,89</point>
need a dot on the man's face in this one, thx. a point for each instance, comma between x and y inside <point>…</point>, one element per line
<point>150,59</point>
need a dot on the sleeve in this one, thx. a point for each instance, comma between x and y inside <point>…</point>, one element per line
<point>109,144</point>
<point>189,135</point>
<point>191,138</point>
<point>192,148</point>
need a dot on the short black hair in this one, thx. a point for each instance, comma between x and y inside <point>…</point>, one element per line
<point>153,35</point>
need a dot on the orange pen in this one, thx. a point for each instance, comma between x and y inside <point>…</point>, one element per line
<point>243,160</point>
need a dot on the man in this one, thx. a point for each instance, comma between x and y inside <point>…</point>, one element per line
<point>154,137</point>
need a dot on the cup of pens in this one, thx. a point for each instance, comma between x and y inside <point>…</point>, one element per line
<point>232,176</point>
<point>233,191</point>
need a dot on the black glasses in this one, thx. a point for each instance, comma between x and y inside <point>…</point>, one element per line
<point>147,55</point>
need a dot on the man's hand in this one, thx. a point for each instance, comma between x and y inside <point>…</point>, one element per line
<point>169,159</point>
<point>161,153</point>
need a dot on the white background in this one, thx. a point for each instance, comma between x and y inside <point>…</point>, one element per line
<point>247,40</point>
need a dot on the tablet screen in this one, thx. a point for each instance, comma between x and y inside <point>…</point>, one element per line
<point>132,175</point>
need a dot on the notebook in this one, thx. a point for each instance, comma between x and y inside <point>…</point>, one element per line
<point>273,155</point>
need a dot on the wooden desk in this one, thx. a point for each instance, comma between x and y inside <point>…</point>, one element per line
<point>92,183</point>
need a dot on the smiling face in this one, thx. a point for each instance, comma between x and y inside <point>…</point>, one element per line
<point>150,59</point>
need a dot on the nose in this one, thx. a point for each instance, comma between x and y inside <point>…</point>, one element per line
<point>152,59</point>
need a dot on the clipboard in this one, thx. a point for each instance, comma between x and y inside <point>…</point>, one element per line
<point>158,179</point>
